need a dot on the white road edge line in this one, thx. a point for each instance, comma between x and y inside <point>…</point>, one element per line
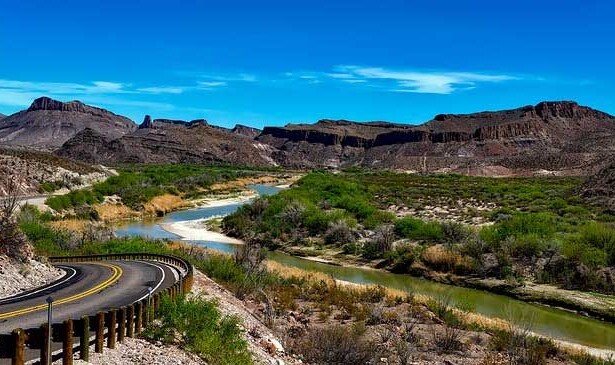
<point>25,295</point>
<point>158,285</point>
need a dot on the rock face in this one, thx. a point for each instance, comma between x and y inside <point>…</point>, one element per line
<point>147,123</point>
<point>549,136</point>
<point>48,123</point>
<point>244,130</point>
<point>600,187</point>
<point>168,141</point>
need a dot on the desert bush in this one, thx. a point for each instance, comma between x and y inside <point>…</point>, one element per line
<point>454,232</point>
<point>339,233</point>
<point>403,256</point>
<point>416,229</point>
<point>447,339</point>
<point>334,345</point>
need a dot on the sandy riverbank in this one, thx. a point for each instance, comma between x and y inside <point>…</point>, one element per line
<point>211,202</point>
<point>196,230</point>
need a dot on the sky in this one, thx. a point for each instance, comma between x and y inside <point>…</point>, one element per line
<point>276,62</point>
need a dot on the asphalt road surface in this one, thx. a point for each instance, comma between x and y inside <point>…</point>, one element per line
<point>86,289</point>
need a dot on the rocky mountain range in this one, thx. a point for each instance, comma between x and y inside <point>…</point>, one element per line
<point>2,116</point>
<point>48,123</point>
<point>168,141</point>
<point>551,136</point>
<point>548,138</point>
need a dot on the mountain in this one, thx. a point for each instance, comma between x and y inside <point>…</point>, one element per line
<point>244,130</point>
<point>2,116</point>
<point>48,123</point>
<point>553,136</point>
<point>550,138</point>
<point>168,141</point>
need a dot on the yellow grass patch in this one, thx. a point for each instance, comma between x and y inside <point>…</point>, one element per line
<point>164,204</point>
<point>441,259</point>
<point>114,212</point>
<point>70,225</point>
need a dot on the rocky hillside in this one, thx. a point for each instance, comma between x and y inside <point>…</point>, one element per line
<point>41,172</point>
<point>549,136</point>
<point>599,188</point>
<point>2,116</point>
<point>168,141</point>
<point>244,130</point>
<point>48,123</point>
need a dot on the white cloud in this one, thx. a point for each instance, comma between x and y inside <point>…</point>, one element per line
<point>343,76</point>
<point>242,77</point>
<point>212,84</point>
<point>21,93</point>
<point>426,82</point>
<point>162,89</point>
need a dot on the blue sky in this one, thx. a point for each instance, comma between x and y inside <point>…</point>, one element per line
<point>273,62</point>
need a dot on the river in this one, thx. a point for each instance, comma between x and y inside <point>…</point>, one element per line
<point>552,322</point>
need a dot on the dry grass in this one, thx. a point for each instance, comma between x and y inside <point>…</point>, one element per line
<point>164,204</point>
<point>445,260</point>
<point>115,212</point>
<point>70,225</point>
<point>293,272</point>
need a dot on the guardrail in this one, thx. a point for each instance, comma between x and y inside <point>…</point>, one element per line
<point>119,323</point>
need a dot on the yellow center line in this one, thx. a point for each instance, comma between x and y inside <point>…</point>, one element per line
<point>117,273</point>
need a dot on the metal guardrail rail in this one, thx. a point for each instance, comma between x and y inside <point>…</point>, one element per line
<point>119,323</point>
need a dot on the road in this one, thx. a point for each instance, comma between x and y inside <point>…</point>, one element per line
<point>86,289</point>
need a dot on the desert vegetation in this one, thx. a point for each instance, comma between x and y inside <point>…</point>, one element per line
<point>321,321</point>
<point>528,229</point>
<point>139,184</point>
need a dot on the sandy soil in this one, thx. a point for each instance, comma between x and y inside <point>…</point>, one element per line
<point>196,230</point>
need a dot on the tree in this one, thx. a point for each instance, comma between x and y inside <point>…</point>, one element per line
<point>13,242</point>
<point>385,236</point>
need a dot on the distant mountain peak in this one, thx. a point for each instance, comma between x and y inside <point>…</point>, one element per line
<point>48,123</point>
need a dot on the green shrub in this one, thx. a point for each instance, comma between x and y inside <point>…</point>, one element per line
<point>202,330</point>
<point>417,229</point>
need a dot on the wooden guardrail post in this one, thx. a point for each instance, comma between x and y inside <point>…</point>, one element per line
<point>145,319</point>
<point>111,322</point>
<point>19,341</point>
<point>121,331</point>
<point>131,321</point>
<point>44,355</point>
<point>100,332</point>
<point>67,342</point>
<point>139,317</point>
<point>156,303</point>
<point>84,339</point>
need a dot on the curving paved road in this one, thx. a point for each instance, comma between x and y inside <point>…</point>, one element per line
<point>87,288</point>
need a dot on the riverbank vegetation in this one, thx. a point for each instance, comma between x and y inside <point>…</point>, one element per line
<point>323,321</point>
<point>514,229</point>
<point>139,184</point>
